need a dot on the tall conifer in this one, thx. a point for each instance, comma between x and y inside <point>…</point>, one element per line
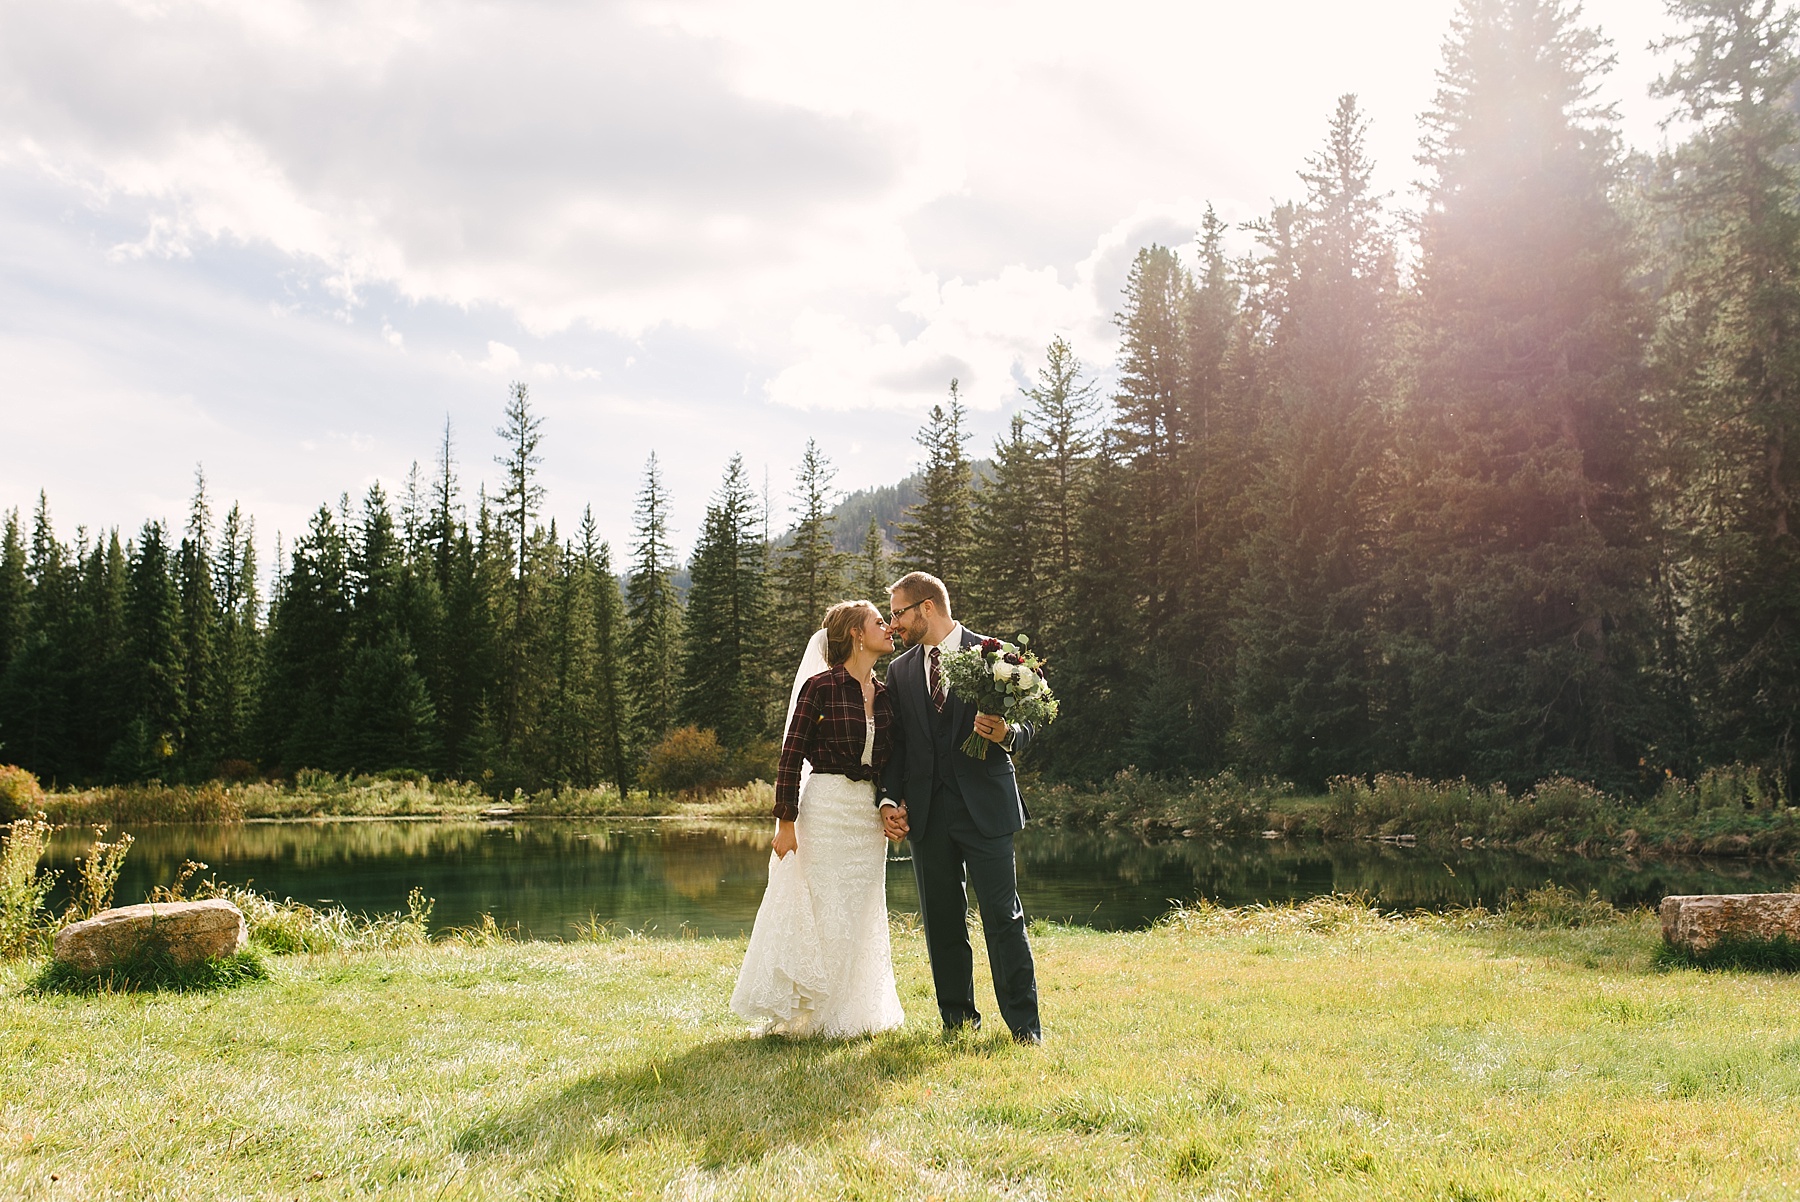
<point>1728,360</point>
<point>1305,614</point>
<point>1060,416</point>
<point>724,674</point>
<point>653,660</point>
<point>1008,569</point>
<point>809,572</point>
<point>937,534</point>
<point>1516,502</point>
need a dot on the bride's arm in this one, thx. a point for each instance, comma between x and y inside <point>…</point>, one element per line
<point>793,754</point>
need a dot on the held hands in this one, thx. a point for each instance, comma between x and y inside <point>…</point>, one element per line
<point>991,727</point>
<point>893,822</point>
<point>785,840</point>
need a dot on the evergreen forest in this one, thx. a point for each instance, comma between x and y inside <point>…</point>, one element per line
<point>1500,484</point>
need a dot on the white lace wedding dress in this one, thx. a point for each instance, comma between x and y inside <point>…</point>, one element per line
<point>819,962</point>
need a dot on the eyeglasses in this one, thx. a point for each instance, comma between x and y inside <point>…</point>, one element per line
<point>895,616</point>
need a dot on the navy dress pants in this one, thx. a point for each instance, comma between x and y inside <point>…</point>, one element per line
<point>949,844</point>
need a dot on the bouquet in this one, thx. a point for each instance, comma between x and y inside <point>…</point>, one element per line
<point>1000,678</point>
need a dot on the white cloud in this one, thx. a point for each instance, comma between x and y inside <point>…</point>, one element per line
<point>500,358</point>
<point>762,215</point>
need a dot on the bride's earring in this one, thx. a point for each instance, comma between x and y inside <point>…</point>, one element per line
<point>859,645</point>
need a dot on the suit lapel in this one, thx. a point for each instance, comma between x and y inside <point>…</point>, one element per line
<point>908,687</point>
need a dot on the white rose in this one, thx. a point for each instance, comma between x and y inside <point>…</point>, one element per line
<point>1003,671</point>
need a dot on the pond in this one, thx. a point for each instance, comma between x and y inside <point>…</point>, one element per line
<point>546,877</point>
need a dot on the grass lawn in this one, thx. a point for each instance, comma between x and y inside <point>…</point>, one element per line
<point>1320,1052</point>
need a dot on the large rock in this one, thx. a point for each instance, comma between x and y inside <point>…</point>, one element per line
<point>188,931</point>
<point>1699,921</point>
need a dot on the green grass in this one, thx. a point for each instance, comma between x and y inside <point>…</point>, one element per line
<point>1322,1051</point>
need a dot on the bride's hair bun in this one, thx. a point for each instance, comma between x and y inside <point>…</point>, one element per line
<point>841,623</point>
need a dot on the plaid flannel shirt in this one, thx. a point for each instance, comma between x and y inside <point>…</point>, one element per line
<point>828,732</point>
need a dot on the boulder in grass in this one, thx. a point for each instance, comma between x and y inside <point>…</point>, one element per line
<point>1699,922</point>
<point>188,932</point>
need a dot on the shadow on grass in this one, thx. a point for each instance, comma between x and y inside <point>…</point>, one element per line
<point>733,1101</point>
<point>155,972</point>
<point>1779,954</point>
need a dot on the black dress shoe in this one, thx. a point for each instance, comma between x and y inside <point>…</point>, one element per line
<point>968,1025</point>
<point>1034,1038</point>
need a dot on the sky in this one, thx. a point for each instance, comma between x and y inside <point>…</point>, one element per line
<point>286,242</point>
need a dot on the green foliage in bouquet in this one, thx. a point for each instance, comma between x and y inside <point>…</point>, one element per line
<point>1000,678</point>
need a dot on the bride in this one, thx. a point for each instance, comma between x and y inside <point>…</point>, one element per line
<point>819,961</point>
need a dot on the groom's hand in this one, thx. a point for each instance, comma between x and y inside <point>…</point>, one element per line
<point>893,821</point>
<point>991,727</point>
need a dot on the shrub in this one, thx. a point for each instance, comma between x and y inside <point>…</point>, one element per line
<point>689,759</point>
<point>20,794</point>
<point>235,771</point>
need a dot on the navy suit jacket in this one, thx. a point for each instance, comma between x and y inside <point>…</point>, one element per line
<point>990,788</point>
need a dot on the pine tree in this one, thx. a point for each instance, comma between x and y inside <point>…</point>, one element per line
<point>937,534</point>
<point>1096,667</point>
<point>572,709</point>
<point>724,676</point>
<point>382,715</point>
<point>35,702</point>
<point>519,504</point>
<point>240,636</point>
<point>1515,504</point>
<point>15,592</point>
<point>309,648</point>
<point>614,725</point>
<point>1009,564</point>
<point>1728,375</point>
<point>1305,611</point>
<point>1152,421</point>
<point>653,662</point>
<point>154,634</point>
<point>1060,417</point>
<point>102,665</point>
<point>872,570</point>
<point>809,573</point>
<point>200,621</point>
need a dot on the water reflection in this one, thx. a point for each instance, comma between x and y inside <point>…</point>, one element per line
<point>548,877</point>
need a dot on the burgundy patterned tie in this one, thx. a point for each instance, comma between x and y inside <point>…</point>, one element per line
<point>937,682</point>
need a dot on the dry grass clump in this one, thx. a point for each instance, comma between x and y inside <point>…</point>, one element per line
<point>23,888</point>
<point>1337,915</point>
<point>289,927</point>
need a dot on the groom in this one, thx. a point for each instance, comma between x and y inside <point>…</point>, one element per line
<point>959,812</point>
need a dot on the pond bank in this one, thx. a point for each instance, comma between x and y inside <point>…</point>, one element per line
<point>1728,813</point>
<point>1322,1051</point>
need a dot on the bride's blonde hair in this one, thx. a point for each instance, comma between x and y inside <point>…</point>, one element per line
<point>842,622</point>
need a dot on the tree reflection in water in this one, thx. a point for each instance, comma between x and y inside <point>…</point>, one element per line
<point>547,877</point>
